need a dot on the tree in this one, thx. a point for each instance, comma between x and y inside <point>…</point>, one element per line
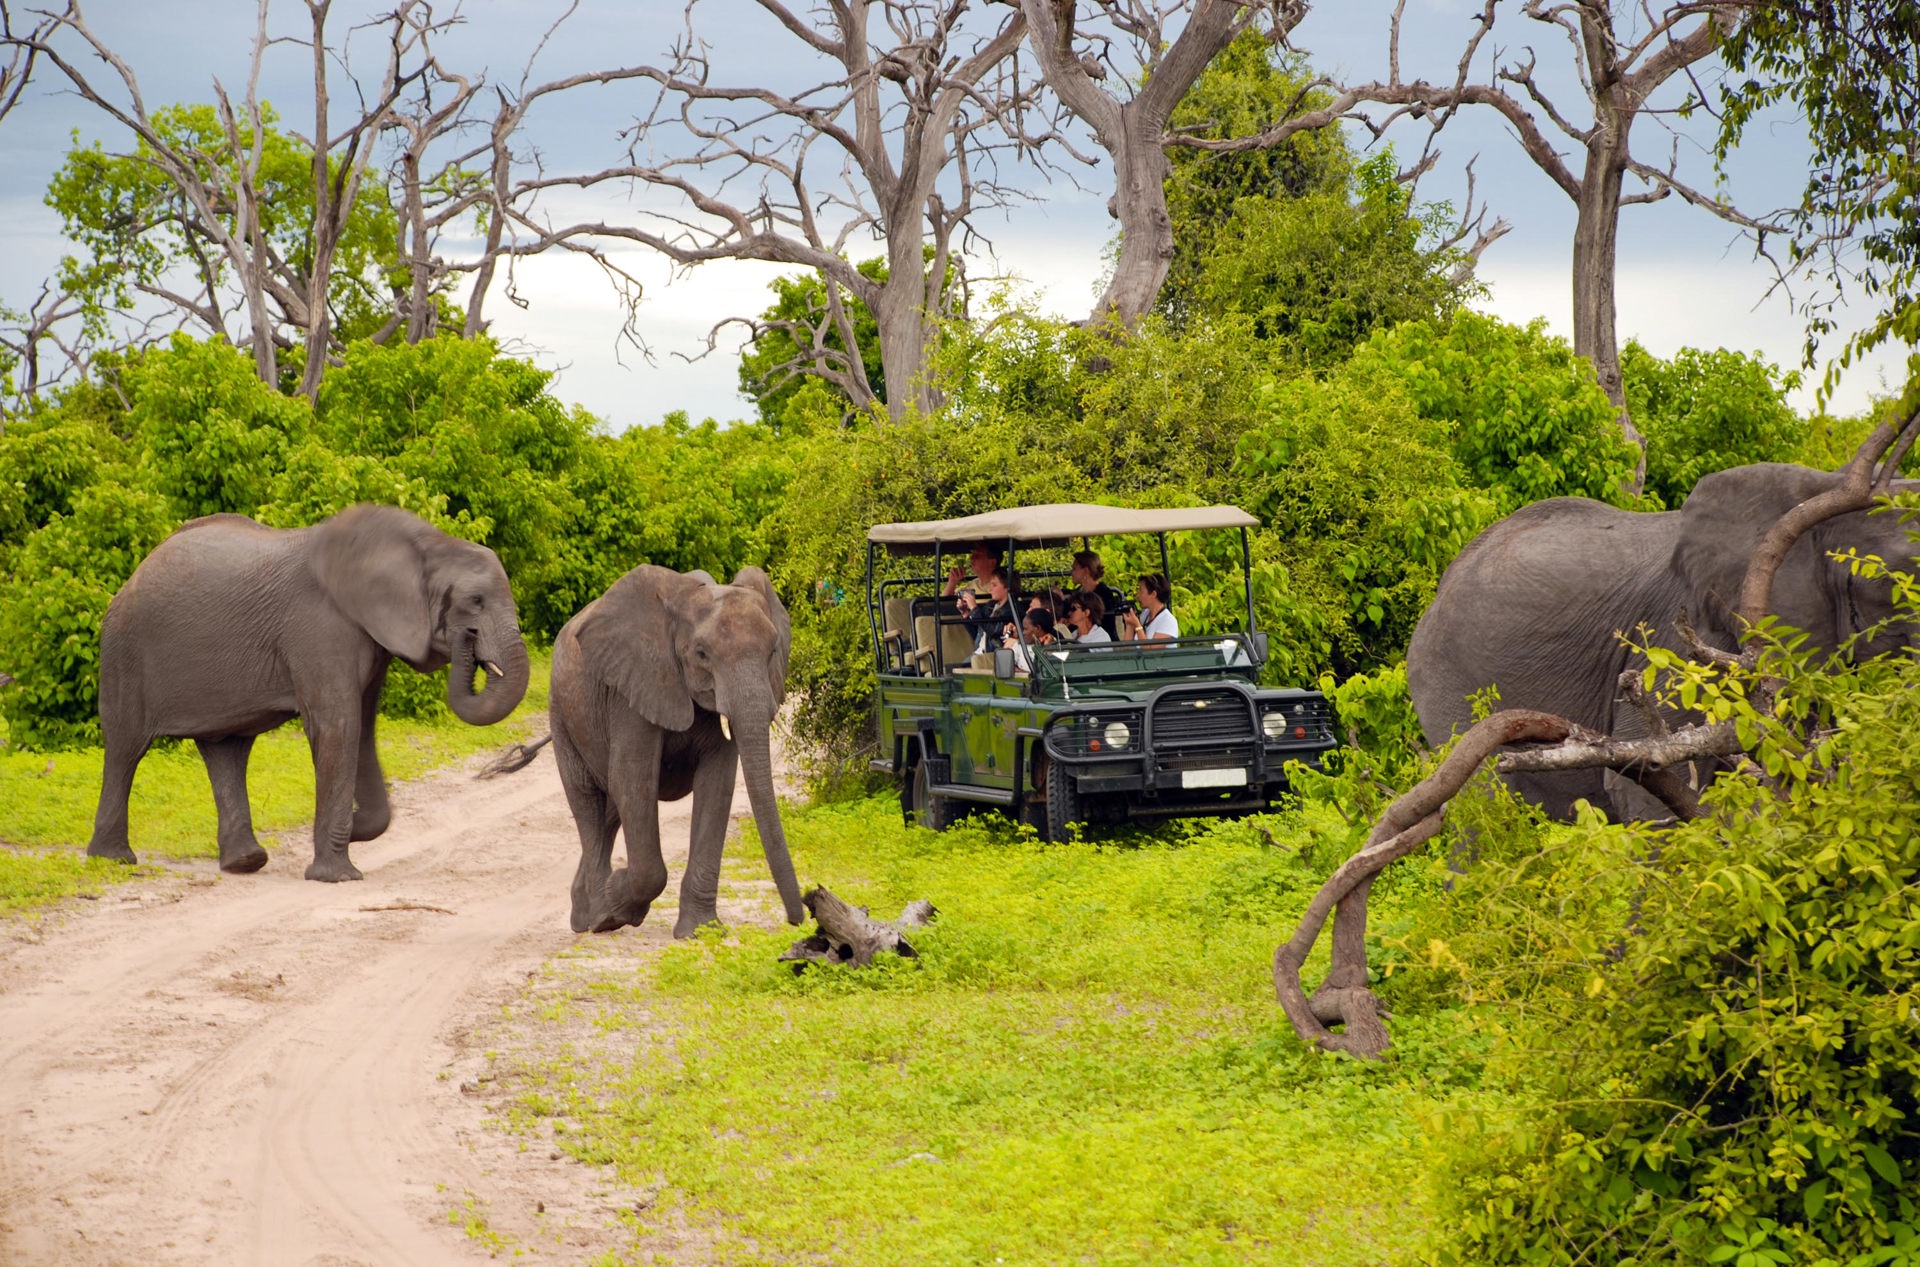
<point>1848,68</point>
<point>1126,41</point>
<point>289,241</point>
<point>793,339</point>
<point>898,139</point>
<point>1623,56</point>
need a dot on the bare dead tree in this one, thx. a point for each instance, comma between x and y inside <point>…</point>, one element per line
<point>899,140</point>
<point>1125,44</point>
<point>27,338</point>
<point>1622,56</point>
<point>1415,817</point>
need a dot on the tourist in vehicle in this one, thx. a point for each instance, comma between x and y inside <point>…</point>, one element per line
<point>1084,613</point>
<point>980,563</point>
<point>1052,600</point>
<point>1154,620</point>
<point>1088,576</point>
<point>990,617</point>
<point>1041,632</point>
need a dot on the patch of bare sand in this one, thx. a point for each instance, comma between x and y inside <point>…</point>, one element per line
<point>259,1070</point>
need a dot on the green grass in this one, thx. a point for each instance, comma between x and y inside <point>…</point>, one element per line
<point>47,800</point>
<point>1086,1064</point>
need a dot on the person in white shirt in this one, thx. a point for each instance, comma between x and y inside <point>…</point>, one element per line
<point>1084,611</point>
<point>1154,620</point>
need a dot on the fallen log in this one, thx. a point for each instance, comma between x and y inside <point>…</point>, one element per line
<point>847,934</point>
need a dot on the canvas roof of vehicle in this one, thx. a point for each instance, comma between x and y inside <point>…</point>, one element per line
<point>1058,523</point>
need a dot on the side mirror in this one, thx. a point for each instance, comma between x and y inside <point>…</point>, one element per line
<point>1003,666</point>
<point>1259,641</point>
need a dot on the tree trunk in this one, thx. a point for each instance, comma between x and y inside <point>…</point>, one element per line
<point>904,335</point>
<point>1596,247</point>
<point>1146,230</point>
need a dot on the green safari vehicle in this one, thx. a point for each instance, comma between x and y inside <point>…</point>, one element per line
<point>1102,733</point>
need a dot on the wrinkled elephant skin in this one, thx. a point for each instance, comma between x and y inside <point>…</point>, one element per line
<point>1536,605</point>
<point>662,686</point>
<point>228,629</point>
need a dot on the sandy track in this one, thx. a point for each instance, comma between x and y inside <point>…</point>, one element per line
<point>255,1070</point>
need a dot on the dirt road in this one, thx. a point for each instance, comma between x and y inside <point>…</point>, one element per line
<point>256,1070</point>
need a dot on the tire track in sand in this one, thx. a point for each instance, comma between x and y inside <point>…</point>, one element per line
<point>254,1070</point>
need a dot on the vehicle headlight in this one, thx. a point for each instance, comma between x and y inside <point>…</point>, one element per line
<point>1117,734</point>
<point>1275,724</point>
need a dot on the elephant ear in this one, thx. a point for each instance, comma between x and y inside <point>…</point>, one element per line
<point>753,579</point>
<point>369,564</point>
<point>1721,524</point>
<point>630,638</point>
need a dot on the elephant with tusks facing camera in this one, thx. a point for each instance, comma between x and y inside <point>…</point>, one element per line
<point>229,629</point>
<point>1535,606</point>
<point>661,686</point>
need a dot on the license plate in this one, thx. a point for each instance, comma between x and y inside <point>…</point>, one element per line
<point>1213,778</point>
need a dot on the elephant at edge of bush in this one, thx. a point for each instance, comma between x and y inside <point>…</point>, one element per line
<point>660,686</point>
<point>229,628</point>
<point>1535,606</point>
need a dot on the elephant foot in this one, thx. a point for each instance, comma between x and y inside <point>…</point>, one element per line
<point>245,860</point>
<point>113,853</point>
<point>369,824</point>
<point>333,870</point>
<point>619,906</point>
<point>691,922</point>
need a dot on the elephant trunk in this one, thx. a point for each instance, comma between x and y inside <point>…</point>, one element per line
<point>504,659</point>
<point>756,766</point>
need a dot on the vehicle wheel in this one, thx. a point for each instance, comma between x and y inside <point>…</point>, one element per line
<point>1063,803</point>
<point>929,810</point>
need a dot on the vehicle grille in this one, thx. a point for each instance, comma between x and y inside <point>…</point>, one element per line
<point>1201,719</point>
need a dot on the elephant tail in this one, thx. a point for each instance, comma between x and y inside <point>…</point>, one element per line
<point>517,757</point>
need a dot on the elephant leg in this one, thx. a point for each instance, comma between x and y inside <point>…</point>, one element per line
<point>712,806</point>
<point>371,809</point>
<point>116,785</point>
<point>335,742</point>
<point>594,817</point>
<point>240,851</point>
<point>634,777</point>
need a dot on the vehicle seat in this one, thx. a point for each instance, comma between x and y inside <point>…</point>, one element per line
<point>923,639</point>
<point>896,637</point>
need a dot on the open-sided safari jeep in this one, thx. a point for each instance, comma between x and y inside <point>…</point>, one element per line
<point>1099,733</point>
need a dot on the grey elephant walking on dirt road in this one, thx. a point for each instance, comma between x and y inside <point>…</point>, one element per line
<point>1536,604</point>
<point>660,686</point>
<point>228,629</point>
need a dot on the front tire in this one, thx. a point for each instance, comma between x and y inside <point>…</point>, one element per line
<point>925,806</point>
<point>1063,803</point>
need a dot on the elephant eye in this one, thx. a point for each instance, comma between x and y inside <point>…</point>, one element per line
<point>700,652</point>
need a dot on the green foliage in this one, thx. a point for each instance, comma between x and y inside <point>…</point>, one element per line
<point>771,367</point>
<point>1365,505</point>
<point>131,222</point>
<point>1381,756</point>
<point>211,435</point>
<point>1319,272</point>
<point>60,583</point>
<point>1737,1078</point>
<point>1705,411</point>
<point>1847,72</point>
<point>1084,1064</point>
<point>1248,86</point>
<point>1529,420</point>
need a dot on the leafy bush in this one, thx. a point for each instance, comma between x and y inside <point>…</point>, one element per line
<point>50,611</point>
<point>1705,411</point>
<point>1529,419</point>
<point>1714,1023</point>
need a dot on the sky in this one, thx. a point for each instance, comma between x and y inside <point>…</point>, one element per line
<point>1685,278</point>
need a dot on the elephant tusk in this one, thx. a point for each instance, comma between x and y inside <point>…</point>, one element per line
<point>493,670</point>
<point>726,728</point>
